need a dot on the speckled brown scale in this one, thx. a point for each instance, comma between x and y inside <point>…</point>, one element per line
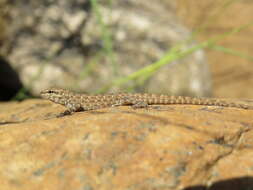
<point>83,102</point>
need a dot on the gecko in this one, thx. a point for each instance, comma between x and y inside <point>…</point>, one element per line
<point>75,102</point>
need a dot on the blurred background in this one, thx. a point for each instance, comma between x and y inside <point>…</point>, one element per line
<point>176,47</point>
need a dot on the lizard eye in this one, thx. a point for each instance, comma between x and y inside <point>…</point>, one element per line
<point>50,91</point>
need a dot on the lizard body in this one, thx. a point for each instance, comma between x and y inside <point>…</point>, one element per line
<point>84,102</point>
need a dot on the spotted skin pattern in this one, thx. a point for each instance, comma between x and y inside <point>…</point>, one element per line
<point>83,102</point>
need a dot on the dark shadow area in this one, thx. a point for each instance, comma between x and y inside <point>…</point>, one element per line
<point>10,83</point>
<point>242,183</point>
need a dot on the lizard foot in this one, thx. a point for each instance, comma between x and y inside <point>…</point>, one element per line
<point>139,104</point>
<point>67,112</point>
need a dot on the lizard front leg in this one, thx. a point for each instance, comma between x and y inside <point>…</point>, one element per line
<point>71,108</point>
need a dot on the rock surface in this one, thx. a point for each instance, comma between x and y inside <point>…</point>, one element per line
<point>120,148</point>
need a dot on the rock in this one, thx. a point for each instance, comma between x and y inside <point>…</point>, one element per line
<point>162,147</point>
<point>61,44</point>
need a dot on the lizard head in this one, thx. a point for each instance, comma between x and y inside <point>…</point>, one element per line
<point>59,96</point>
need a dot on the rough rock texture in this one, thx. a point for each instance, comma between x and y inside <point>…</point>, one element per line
<point>160,148</point>
<point>59,43</point>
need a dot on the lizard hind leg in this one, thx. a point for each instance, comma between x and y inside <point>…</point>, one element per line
<point>131,101</point>
<point>139,104</point>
